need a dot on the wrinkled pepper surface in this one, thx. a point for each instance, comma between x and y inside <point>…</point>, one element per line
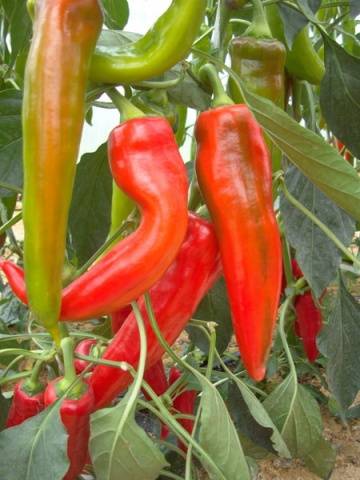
<point>234,173</point>
<point>65,33</point>
<point>165,44</point>
<point>24,405</point>
<point>174,298</point>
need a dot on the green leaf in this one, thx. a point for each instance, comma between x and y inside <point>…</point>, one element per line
<point>4,409</point>
<point>12,311</point>
<point>213,308</point>
<point>128,453</point>
<point>89,219</point>
<point>354,8</point>
<point>6,359</point>
<point>20,25</point>
<point>340,94</point>
<point>339,342</point>
<point>319,161</point>
<point>253,420</point>
<point>10,139</point>
<point>297,415</point>
<point>293,22</point>
<point>113,40</point>
<point>316,254</point>
<point>321,460</point>
<point>116,13</point>
<point>218,437</point>
<point>35,449</point>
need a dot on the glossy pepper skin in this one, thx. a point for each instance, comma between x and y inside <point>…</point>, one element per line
<point>84,348</point>
<point>155,376</point>
<point>302,60</point>
<point>174,299</point>
<point>147,166</point>
<point>260,63</point>
<point>234,173</point>
<point>183,403</point>
<point>308,321</point>
<point>65,33</point>
<point>119,317</point>
<point>165,44</point>
<point>75,416</point>
<point>24,405</point>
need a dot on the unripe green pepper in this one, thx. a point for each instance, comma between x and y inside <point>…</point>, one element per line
<point>65,34</point>
<point>302,60</point>
<point>259,60</point>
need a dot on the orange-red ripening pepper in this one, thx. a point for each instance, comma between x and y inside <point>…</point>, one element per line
<point>234,173</point>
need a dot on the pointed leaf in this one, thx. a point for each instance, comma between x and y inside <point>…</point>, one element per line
<point>319,161</point>
<point>127,453</point>
<point>35,449</point>
<point>89,219</point>
<point>254,412</point>
<point>340,94</point>
<point>297,415</point>
<point>339,342</point>
<point>217,435</point>
<point>316,254</point>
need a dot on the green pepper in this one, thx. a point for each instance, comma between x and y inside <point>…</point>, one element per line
<point>302,60</point>
<point>259,60</point>
<point>56,73</point>
<point>165,44</point>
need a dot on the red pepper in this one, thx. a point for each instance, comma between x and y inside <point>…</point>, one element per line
<point>234,173</point>
<point>308,321</point>
<point>84,348</point>
<point>174,299</point>
<point>347,155</point>
<point>155,376</point>
<point>119,317</point>
<point>147,166</point>
<point>24,405</point>
<point>183,403</point>
<point>75,415</point>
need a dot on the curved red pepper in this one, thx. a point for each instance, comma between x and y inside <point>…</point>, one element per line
<point>84,348</point>
<point>147,166</point>
<point>234,173</point>
<point>24,406</point>
<point>183,403</point>
<point>174,299</point>
<point>75,415</point>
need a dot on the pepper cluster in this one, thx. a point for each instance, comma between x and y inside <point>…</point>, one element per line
<point>173,254</point>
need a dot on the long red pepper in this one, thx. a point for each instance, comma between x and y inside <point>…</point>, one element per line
<point>234,174</point>
<point>174,299</point>
<point>147,166</point>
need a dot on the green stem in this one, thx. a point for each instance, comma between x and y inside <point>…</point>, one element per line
<point>205,34</point>
<point>102,250</point>
<point>165,473</point>
<point>10,223</point>
<point>33,385</point>
<point>319,224</point>
<point>241,21</point>
<point>9,186</point>
<point>208,72</point>
<point>152,84</point>
<point>259,27</point>
<point>14,378</point>
<point>69,381</point>
<point>126,108</point>
<point>283,312</point>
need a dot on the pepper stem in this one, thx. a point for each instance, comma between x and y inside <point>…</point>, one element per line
<point>70,379</point>
<point>126,108</point>
<point>259,27</point>
<point>209,73</point>
<point>32,386</point>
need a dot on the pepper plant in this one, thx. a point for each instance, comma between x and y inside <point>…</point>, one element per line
<point>166,314</point>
